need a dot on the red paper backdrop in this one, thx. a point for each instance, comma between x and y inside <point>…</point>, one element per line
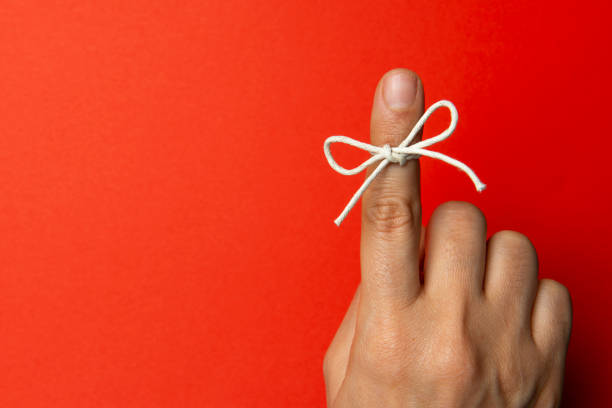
<point>166,209</point>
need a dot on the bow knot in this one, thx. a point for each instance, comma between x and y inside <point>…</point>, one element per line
<point>391,154</point>
<point>400,154</point>
<point>395,155</point>
<point>388,153</point>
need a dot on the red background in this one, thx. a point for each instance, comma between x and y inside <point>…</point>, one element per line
<point>166,209</point>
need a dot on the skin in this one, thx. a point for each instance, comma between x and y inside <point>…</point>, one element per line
<point>443,318</point>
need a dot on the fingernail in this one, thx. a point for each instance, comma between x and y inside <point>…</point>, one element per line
<point>399,90</point>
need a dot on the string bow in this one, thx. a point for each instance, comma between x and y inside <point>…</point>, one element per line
<point>400,154</point>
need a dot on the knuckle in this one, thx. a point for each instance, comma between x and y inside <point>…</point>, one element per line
<point>383,354</point>
<point>516,377</point>
<point>453,364</point>
<point>510,379</point>
<point>392,213</point>
<point>455,360</point>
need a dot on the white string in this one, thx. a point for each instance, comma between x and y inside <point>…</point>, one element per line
<point>400,154</point>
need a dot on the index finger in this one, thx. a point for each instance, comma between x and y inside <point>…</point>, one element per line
<point>391,206</point>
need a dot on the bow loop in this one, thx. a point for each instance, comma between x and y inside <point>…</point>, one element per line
<point>400,154</point>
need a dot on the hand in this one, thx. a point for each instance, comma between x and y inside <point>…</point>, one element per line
<point>478,330</point>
